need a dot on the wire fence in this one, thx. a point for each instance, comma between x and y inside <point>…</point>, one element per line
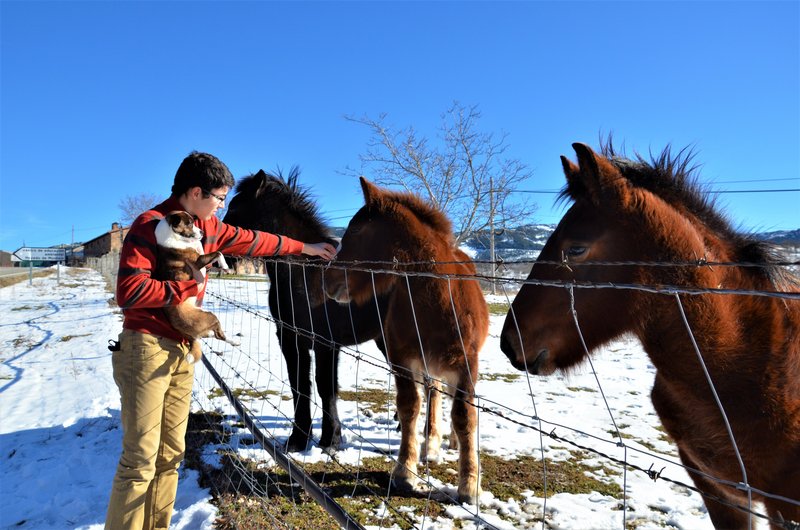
<point>583,447</point>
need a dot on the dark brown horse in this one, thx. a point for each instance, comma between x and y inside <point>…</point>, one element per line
<point>305,318</point>
<point>434,326</point>
<point>653,211</point>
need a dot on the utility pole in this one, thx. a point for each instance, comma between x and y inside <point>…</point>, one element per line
<point>491,231</point>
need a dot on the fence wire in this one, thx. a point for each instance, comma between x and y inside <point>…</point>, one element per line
<point>251,419</point>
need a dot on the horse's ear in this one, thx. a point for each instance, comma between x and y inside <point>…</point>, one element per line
<point>572,174</point>
<point>598,175</point>
<point>370,190</point>
<point>261,179</point>
<point>570,169</point>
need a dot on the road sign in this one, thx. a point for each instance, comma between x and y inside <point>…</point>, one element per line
<point>41,254</point>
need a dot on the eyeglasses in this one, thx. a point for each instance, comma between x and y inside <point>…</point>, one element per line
<point>220,199</point>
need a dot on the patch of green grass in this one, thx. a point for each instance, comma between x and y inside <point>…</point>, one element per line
<point>506,378</point>
<point>509,478</point>
<point>581,389</point>
<point>28,308</point>
<point>498,308</point>
<point>67,338</point>
<point>278,502</point>
<point>650,446</point>
<point>664,436</point>
<point>247,394</point>
<point>24,342</point>
<point>377,400</point>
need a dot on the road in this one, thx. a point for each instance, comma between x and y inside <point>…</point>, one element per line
<point>12,271</point>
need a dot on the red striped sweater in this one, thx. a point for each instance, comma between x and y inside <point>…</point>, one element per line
<point>142,298</point>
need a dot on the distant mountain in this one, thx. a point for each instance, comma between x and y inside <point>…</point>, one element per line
<point>525,242</point>
<point>782,237</point>
<point>521,243</point>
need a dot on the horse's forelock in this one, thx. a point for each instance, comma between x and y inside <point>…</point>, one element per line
<point>287,191</point>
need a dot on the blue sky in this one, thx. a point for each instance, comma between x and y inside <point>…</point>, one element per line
<point>101,100</point>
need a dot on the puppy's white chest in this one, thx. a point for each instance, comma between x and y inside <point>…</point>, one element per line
<point>167,238</point>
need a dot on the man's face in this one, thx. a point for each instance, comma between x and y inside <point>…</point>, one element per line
<point>204,203</point>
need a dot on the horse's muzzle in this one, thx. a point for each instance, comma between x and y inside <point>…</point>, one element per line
<point>517,359</point>
<point>508,349</point>
<point>536,367</point>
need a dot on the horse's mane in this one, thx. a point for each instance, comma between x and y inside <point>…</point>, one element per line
<point>287,192</point>
<point>674,179</point>
<point>424,211</point>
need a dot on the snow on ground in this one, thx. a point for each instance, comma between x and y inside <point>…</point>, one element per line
<point>60,435</point>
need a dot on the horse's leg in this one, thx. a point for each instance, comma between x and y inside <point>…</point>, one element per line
<point>465,423</point>
<point>327,377</point>
<point>676,421</point>
<point>722,514</point>
<point>382,347</point>
<point>433,419</point>
<point>787,485</point>
<point>298,365</point>
<point>408,405</point>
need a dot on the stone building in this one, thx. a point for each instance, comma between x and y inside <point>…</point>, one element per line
<point>106,243</point>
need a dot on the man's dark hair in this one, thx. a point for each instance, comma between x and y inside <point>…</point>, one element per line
<point>201,169</point>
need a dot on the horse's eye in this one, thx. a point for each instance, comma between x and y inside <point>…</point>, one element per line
<point>576,251</point>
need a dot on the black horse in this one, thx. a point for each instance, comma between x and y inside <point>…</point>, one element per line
<point>305,318</point>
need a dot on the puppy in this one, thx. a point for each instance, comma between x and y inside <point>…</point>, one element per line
<point>180,257</point>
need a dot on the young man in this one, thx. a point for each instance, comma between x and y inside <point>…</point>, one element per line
<point>154,379</point>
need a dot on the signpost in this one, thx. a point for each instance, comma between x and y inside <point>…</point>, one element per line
<point>40,254</point>
<point>31,254</point>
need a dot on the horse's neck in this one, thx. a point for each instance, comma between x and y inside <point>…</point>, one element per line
<point>731,333</point>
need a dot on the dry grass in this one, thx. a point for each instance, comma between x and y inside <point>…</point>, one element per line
<point>6,281</point>
<point>250,496</point>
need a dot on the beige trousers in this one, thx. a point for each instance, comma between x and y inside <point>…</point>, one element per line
<point>155,386</point>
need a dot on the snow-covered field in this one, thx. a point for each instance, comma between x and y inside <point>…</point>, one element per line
<point>59,435</point>
<point>60,438</point>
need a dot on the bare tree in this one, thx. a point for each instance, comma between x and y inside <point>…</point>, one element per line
<point>133,205</point>
<point>464,173</point>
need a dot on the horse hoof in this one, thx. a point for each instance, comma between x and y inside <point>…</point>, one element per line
<point>296,444</point>
<point>330,450</point>
<point>465,498</point>
<point>431,457</point>
<point>331,446</point>
<point>405,484</point>
<point>328,440</point>
<point>469,495</point>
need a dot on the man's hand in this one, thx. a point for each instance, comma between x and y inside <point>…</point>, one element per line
<point>199,276</point>
<point>322,250</point>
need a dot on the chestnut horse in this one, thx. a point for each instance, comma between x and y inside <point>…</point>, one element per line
<point>434,328</point>
<point>297,302</point>
<point>653,211</point>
